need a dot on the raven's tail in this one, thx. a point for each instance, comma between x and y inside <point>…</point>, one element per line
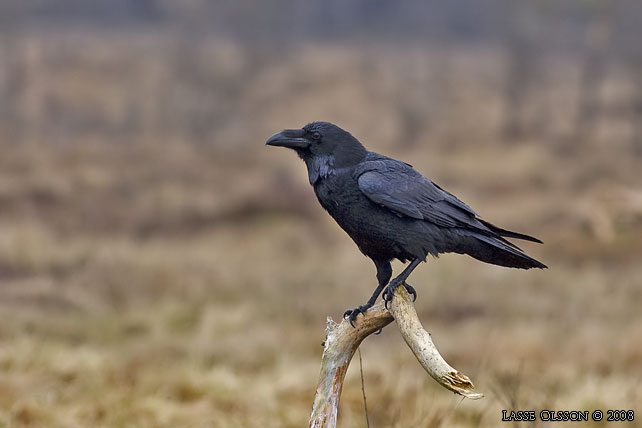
<point>508,233</point>
<point>498,252</point>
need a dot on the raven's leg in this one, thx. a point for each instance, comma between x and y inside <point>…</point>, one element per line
<point>384,272</point>
<point>399,280</point>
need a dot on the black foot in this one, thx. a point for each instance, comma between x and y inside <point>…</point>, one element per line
<point>351,314</point>
<point>390,291</point>
<point>411,290</point>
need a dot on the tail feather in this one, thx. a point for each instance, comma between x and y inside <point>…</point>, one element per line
<point>491,250</point>
<point>508,233</point>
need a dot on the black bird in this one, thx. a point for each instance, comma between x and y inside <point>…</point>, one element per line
<point>391,211</point>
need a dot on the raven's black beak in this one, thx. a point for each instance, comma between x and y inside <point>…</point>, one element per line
<point>292,138</point>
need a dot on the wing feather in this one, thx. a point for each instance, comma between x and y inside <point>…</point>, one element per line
<point>400,188</point>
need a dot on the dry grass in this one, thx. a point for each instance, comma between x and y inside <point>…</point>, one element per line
<point>147,285</point>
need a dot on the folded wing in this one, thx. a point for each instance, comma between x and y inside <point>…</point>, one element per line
<point>399,188</point>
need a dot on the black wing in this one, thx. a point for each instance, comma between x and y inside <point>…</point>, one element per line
<point>398,187</point>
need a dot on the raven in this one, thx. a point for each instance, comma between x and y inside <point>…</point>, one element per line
<point>392,211</point>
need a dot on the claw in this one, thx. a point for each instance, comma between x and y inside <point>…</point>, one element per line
<point>352,318</point>
<point>386,298</point>
<point>388,293</point>
<point>378,332</point>
<point>410,289</point>
<point>351,314</point>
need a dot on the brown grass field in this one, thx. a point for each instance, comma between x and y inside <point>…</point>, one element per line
<point>149,278</point>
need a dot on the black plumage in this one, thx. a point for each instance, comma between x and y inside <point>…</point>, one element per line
<point>392,211</point>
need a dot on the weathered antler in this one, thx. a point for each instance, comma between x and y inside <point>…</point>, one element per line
<point>342,340</point>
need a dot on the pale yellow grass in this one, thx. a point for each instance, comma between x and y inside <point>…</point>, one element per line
<point>147,288</point>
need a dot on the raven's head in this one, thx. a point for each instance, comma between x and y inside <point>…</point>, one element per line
<point>323,146</point>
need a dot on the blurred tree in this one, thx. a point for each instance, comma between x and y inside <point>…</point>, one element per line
<point>593,72</point>
<point>12,75</point>
<point>637,104</point>
<point>521,31</point>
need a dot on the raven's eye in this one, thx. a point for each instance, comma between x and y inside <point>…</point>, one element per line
<point>316,135</point>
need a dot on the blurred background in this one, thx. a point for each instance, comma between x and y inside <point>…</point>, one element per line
<point>160,267</point>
